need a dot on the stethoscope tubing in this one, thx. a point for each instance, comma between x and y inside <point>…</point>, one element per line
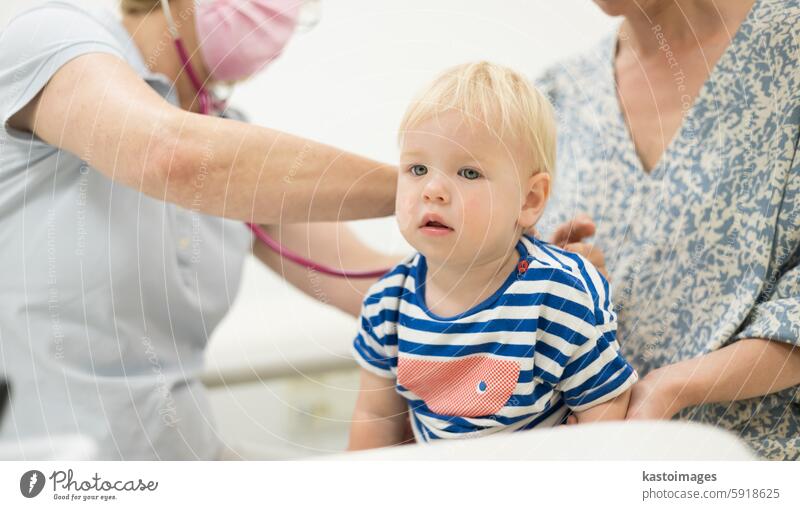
<point>309,264</point>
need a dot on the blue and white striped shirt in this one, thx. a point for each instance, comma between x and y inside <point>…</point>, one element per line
<point>542,344</point>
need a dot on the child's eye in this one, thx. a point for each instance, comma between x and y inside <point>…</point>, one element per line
<point>469,173</point>
<point>418,170</point>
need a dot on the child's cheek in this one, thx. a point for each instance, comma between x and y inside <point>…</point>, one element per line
<point>404,208</point>
<point>476,211</point>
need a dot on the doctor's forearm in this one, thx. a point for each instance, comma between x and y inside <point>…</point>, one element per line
<point>121,127</point>
<point>247,172</point>
<point>748,368</point>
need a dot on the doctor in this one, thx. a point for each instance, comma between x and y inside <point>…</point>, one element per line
<point>122,209</point>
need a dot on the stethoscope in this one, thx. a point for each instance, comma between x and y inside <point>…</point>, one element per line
<point>208,104</point>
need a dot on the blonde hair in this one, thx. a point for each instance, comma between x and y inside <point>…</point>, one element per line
<point>138,6</point>
<point>497,97</point>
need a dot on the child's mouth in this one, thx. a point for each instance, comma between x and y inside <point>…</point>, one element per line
<point>435,227</point>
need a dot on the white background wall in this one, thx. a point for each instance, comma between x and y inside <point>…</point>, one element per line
<point>347,83</point>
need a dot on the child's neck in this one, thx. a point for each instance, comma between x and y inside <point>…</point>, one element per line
<point>451,289</point>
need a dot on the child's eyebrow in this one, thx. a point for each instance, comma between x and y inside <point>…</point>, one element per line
<point>412,154</point>
<point>475,163</point>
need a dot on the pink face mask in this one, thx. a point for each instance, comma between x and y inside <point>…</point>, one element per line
<point>239,37</point>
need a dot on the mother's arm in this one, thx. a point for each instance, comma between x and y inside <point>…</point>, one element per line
<point>99,109</point>
<point>747,368</point>
<point>762,358</point>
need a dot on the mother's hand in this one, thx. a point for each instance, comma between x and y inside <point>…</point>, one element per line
<point>570,236</point>
<point>654,397</point>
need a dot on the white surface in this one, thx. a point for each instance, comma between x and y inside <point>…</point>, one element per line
<point>273,330</point>
<point>71,447</point>
<point>630,440</point>
<point>286,418</point>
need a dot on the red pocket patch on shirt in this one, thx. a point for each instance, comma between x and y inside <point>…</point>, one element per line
<point>467,387</point>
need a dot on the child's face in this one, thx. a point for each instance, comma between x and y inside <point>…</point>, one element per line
<point>463,192</point>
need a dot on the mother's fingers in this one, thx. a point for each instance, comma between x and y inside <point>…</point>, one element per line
<point>574,231</point>
<point>592,253</point>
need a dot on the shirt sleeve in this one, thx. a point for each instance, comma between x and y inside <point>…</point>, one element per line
<point>35,45</point>
<point>776,316</point>
<point>375,345</point>
<point>578,348</point>
<point>776,312</point>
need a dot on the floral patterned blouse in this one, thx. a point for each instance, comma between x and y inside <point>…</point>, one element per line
<point>702,250</point>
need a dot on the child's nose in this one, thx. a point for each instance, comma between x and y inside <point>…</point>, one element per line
<point>436,191</point>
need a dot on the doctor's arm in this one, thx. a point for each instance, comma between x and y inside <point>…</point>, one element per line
<point>99,109</point>
<point>331,244</point>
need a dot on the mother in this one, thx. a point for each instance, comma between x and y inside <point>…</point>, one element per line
<point>116,264</point>
<point>679,139</point>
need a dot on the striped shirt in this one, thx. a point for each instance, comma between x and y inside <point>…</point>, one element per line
<point>543,344</point>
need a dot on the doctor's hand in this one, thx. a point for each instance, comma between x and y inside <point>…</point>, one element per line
<point>570,236</point>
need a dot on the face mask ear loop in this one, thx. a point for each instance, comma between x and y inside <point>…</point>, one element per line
<point>202,94</point>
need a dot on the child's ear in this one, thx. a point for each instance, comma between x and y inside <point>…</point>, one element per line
<point>537,190</point>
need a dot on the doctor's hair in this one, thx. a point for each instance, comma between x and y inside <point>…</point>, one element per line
<point>495,96</point>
